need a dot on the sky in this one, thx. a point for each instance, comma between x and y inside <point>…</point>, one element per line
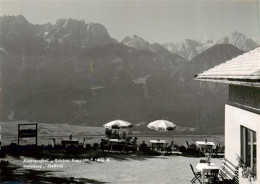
<point>155,21</point>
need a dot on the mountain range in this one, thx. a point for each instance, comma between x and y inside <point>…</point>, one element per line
<point>75,72</point>
<point>189,49</point>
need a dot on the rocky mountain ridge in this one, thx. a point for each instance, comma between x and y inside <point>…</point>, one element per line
<point>16,33</point>
<point>189,49</point>
<point>140,44</point>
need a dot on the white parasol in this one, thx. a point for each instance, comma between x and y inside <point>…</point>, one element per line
<point>161,125</point>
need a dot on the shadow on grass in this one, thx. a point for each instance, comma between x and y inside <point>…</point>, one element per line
<point>92,155</point>
<point>135,156</point>
<point>14,174</point>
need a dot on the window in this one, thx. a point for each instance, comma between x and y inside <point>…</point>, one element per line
<point>248,146</point>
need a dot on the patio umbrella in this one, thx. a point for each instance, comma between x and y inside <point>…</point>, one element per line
<point>117,124</point>
<point>161,125</point>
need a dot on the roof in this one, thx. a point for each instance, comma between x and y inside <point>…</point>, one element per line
<point>241,70</point>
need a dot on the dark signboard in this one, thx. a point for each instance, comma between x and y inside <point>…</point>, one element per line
<point>24,132</point>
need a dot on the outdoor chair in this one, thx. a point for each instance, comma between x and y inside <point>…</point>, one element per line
<point>169,149</point>
<point>187,144</point>
<point>193,146</point>
<point>192,151</point>
<point>216,151</point>
<point>197,175</point>
<point>213,176</point>
<point>144,148</point>
<point>221,149</point>
<point>208,149</point>
<point>129,148</point>
<point>128,139</point>
<point>118,147</point>
<point>104,145</point>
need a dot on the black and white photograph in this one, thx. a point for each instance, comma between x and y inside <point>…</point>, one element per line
<point>129,91</point>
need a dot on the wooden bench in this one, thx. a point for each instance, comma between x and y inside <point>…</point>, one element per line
<point>229,172</point>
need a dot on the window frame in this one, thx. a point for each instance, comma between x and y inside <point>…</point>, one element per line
<point>244,140</point>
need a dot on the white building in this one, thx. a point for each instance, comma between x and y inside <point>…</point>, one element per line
<point>242,113</point>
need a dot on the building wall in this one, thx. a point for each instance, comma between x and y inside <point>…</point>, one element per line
<point>234,118</point>
<point>243,95</point>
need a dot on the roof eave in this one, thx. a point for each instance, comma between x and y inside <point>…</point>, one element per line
<point>234,82</point>
<point>230,77</point>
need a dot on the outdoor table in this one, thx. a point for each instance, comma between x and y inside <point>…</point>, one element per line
<point>116,141</point>
<point>69,142</point>
<point>203,144</point>
<point>158,143</point>
<point>204,168</point>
